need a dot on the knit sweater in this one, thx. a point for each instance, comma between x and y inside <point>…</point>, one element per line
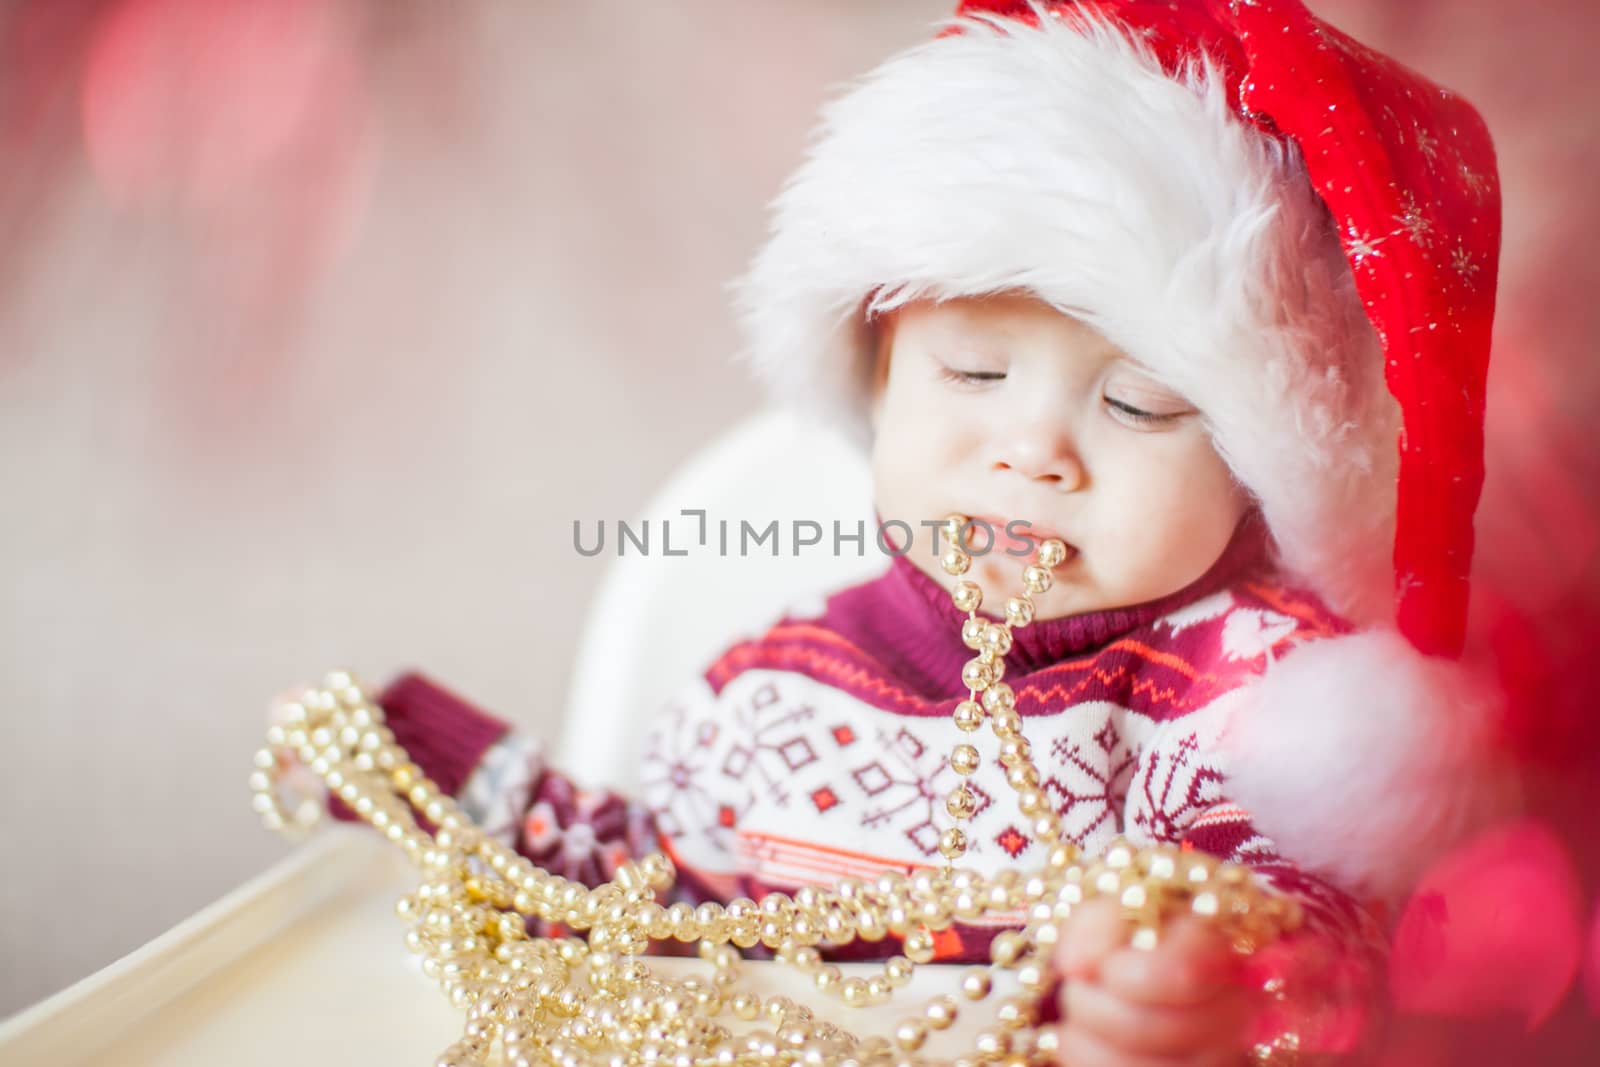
<point>817,751</point>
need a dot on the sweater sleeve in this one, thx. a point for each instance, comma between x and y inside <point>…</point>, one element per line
<point>1325,981</point>
<point>442,733</point>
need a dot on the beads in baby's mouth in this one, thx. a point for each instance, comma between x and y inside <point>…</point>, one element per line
<point>988,697</point>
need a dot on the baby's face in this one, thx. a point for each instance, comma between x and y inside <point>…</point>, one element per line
<point>1003,408</point>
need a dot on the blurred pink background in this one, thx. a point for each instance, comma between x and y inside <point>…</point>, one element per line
<point>321,321</point>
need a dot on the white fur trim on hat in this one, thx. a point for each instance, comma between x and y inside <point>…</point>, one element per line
<point>1365,760</point>
<point>1062,160</point>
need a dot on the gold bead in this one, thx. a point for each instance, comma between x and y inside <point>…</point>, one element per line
<point>898,970</point>
<point>992,1043</point>
<point>996,639</point>
<point>1031,802</point>
<point>1022,775</point>
<point>776,1008</point>
<point>1016,750</point>
<point>853,991</point>
<point>910,1035</point>
<point>972,633</point>
<point>918,945</point>
<point>961,802</point>
<point>1036,579</point>
<point>941,1012</point>
<point>1163,867</point>
<point>975,984</point>
<point>954,527</point>
<point>1019,611</point>
<point>967,596</point>
<point>999,696</point>
<point>1006,724</point>
<point>1013,1013</point>
<point>956,562</point>
<point>805,958</point>
<point>968,715</point>
<point>952,845</point>
<point>1006,948</point>
<point>976,675</point>
<point>1052,552</point>
<point>964,759</point>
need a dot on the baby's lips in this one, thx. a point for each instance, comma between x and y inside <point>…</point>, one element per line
<point>1006,535</point>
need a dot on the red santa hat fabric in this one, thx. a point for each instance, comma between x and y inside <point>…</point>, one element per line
<point>1294,231</point>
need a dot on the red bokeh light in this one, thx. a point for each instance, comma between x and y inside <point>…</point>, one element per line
<point>245,125</point>
<point>1494,929</point>
<point>192,97</point>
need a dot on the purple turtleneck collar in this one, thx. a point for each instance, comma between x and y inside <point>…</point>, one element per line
<point>906,621</point>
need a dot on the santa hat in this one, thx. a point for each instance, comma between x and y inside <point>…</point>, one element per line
<point>1272,218</point>
<point>1293,231</point>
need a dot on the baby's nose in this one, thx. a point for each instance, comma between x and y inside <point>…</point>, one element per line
<point>1056,467</point>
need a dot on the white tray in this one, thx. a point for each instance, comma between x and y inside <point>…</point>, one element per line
<point>305,965</point>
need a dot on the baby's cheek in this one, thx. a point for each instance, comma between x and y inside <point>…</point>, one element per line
<point>1133,550</point>
<point>1159,533</point>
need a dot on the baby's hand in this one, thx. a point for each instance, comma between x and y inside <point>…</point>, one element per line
<point>1180,1003</point>
<point>293,776</point>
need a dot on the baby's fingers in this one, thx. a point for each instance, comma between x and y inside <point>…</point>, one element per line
<point>1081,1048</point>
<point>293,775</point>
<point>1155,1030</point>
<point>1095,931</point>
<point>1191,965</point>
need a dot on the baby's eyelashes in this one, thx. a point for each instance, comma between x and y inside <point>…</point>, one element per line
<point>971,377</point>
<point>1124,410</point>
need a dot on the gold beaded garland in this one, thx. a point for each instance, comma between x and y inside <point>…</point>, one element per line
<point>981,675</point>
<point>578,1002</point>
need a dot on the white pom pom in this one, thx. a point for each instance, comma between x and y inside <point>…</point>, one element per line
<point>1364,760</point>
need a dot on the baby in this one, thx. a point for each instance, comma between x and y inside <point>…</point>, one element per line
<point>1131,273</point>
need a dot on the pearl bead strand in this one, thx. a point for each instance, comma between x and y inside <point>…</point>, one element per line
<point>576,1002</point>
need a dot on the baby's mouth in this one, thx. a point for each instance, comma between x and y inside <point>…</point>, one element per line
<point>1005,540</point>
